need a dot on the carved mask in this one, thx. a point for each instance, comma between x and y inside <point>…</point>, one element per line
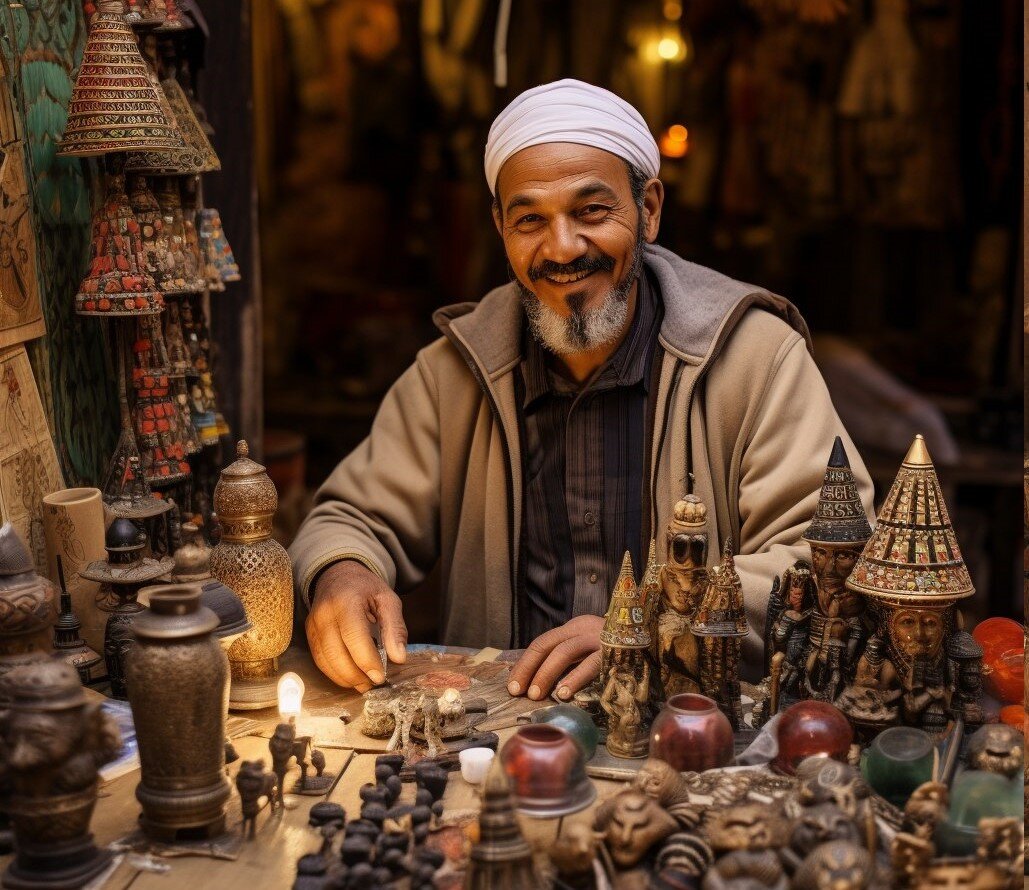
<point>747,827</point>
<point>917,633</point>
<point>636,824</point>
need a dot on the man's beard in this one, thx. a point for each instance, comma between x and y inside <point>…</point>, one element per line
<point>585,329</point>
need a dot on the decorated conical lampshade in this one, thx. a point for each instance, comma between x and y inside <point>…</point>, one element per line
<point>625,624</point>
<point>178,356</point>
<point>114,105</point>
<point>840,516</point>
<point>161,443</point>
<point>913,554</point>
<point>117,282</point>
<point>126,492</point>
<point>217,248</point>
<point>149,349</point>
<point>162,254</point>
<point>721,612</point>
<point>185,257</point>
<point>189,187</point>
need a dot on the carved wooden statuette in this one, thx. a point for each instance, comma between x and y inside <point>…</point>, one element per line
<point>787,628</point>
<point>683,582</point>
<point>912,573</point>
<point>721,625</point>
<point>28,606</point>
<point>626,676</point>
<point>53,742</point>
<point>253,783</point>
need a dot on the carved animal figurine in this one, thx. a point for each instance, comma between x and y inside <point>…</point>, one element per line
<point>402,710</point>
<point>997,748</point>
<point>253,783</point>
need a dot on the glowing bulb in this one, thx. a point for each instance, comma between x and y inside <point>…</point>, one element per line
<point>678,133</point>
<point>668,48</point>
<point>291,694</point>
<point>674,142</point>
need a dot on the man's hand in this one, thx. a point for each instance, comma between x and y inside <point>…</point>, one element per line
<point>348,599</point>
<point>550,655</point>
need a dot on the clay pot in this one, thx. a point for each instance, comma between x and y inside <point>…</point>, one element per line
<point>692,734</point>
<point>547,771</point>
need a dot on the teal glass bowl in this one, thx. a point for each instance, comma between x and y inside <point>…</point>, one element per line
<point>575,721</point>
<point>897,762</point>
<point>977,795</point>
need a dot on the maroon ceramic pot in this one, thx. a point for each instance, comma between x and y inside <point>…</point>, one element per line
<point>547,771</point>
<point>809,728</point>
<point>691,734</point>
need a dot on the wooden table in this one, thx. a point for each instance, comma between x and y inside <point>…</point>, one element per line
<point>269,861</point>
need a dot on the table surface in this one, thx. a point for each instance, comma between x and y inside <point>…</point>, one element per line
<point>269,861</point>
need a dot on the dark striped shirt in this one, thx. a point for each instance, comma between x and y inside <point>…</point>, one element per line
<point>585,449</point>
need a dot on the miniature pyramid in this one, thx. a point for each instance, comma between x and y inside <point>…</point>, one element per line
<point>625,624</point>
<point>840,516</point>
<point>721,612</point>
<point>502,858</point>
<point>913,554</point>
<point>114,106</point>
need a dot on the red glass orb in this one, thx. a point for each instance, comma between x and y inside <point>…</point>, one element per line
<point>998,635</point>
<point>1014,715</point>
<point>809,728</point>
<point>691,734</point>
<point>1004,673</point>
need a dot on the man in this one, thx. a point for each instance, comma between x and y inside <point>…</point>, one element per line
<point>556,423</point>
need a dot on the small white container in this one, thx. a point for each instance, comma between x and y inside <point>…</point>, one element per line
<point>475,764</point>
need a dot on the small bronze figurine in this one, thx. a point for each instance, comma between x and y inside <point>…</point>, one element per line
<point>912,572</point>
<point>28,606</point>
<point>253,783</point>
<point>281,747</point>
<point>790,605</point>
<point>54,741</point>
<point>683,582</point>
<point>125,571</point>
<point>67,639</point>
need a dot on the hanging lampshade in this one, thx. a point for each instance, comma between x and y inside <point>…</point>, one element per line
<point>117,282</point>
<point>156,422</point>
<point>185,257</point>
<point>162,254</point>
<point>189,188</point>
<point>178,356</point>
<point>126,492</point>
<point>114,105</point>
<point>184,75</point>
<point>216,245</point>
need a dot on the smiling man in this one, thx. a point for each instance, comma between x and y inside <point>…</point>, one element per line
<point>555,423</point>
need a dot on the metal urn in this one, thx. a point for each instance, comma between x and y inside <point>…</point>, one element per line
<point>178,677</point>
<point>257,568</point>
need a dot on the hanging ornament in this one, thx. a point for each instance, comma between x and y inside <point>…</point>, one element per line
<point>216,246</point>
<point>185,257</point>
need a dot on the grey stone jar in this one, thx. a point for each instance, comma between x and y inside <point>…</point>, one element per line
<point>178,679</point>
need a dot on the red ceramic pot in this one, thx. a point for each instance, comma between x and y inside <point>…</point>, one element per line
<point>547,771</point>
<point>691,734</point>
<point>811,728</point>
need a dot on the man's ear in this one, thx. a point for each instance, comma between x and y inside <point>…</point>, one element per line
<point>653,200</point>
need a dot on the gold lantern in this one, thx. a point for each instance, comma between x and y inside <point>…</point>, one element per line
<point>249,561</point>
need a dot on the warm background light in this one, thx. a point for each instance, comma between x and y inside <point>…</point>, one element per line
<point>675,141</point>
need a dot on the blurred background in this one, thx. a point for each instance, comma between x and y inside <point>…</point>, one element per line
<point>860,158</point>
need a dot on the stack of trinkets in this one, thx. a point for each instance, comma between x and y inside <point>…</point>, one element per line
<point>149,258</point>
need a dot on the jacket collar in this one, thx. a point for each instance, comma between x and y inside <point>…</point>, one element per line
<point>701,307</point>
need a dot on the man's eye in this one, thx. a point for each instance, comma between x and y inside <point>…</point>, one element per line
<point>593,209</point>
<point>528,219</point>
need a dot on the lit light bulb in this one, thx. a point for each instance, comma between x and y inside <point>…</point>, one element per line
<point>668,48</point>
<point>291,694</point>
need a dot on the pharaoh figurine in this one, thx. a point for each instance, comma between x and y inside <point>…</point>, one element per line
<point>790,605</point>
<point>964,676</point>
<point>683,582</point>
<point>913,572</point>
<point>721,624</point>
<point>625,677</point>
<point>838,625</point>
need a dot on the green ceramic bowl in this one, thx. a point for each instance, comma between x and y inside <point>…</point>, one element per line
<point>575,721</point>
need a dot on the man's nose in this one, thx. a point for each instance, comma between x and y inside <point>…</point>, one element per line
<point>564,244</point>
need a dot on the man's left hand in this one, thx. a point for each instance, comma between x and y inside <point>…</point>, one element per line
<point>547,659</point>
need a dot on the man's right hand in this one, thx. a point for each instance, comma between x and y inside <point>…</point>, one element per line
<point>348,599</point>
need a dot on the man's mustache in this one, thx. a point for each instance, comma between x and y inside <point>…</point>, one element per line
<point>579,266</point>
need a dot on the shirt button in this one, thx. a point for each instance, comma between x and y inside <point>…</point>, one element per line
<point>589,518</point>
<point>594,577</point>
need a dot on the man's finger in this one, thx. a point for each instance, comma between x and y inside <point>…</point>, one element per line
<point>390,614</point>
<point>561,657</point>
<point>357,637</point>
<point>580,676</point>
<point>533,657</point>
<point>332,659</point>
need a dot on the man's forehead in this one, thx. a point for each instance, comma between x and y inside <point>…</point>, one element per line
<point>558,166</point>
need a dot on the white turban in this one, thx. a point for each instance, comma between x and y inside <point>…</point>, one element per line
<point>571,111</point>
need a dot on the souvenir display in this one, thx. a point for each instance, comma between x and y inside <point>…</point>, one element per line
<point>114,106</point>
<point>122,575</point>
<point>181,738</point>
<point>683,583</point>
<point>73,525</point>
<point>625,678</point>
<point>68,643</point>
<point>912,574</point>
<point>54,741</point>
<point>28,606</point>
<point>721,624</point>
<point>255,566</point>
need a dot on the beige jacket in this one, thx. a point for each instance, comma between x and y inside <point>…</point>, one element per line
<point>439,476</point>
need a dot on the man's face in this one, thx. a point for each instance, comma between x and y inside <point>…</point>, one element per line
<point>917,632</point>
<point>832,566</point>
<point>573,235</point>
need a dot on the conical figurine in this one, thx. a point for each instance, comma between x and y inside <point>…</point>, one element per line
<point>625,675</point>
<point>68,642</point>
<point>683,583</point>
<point>117,282</point>
<point>721,624</point>
<point>114,105</point>
<point>501,859</point>
<point>912,573</point>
